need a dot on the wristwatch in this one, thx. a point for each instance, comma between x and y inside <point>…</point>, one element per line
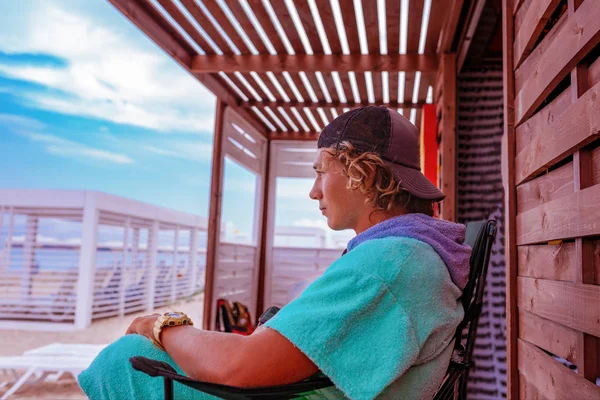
<point>172,318</point>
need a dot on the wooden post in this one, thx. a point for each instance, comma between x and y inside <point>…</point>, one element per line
<point>123,270</point>
<point>193,260</point>
<point>263,248</point>
<point>175,265</point>
<point>214,213</point>
<point>151,265</point>
<point>135,249</point>
<point>7,246</point>
<point>510,201</point>
<point>87,263</point>
<point>448,143</point>
<point>28,257</point>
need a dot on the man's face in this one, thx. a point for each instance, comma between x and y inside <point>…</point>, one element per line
<point>341,206</point>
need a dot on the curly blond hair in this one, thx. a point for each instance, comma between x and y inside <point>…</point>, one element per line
<point>383,191</point>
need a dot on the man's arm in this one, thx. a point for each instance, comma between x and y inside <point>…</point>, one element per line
<point>265,358</point>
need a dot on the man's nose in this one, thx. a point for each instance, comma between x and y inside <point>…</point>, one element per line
<point>315,192</point>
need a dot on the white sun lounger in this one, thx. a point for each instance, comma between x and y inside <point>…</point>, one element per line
<point>56,358</point>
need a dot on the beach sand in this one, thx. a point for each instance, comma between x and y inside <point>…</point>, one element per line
<point>15,342</point>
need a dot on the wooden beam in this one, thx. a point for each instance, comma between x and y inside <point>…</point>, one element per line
<point>316,62</point>
<point>308,136</point>
<point>547,187</point>
<point>469,33</point>
<point>552,261</point>
<point>450,26</point>
<point>448,143</point>
<point>324,104</point>
<point>214,214</point>
<point>510,199</point>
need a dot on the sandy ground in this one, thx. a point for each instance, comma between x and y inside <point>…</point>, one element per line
<point>15,342</point>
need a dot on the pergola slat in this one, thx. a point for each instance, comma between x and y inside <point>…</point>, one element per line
<point>226,25</point>
<point>205,23</point>
<point>283,15</point>
<point>300,85</point>
<point>415,17</point>
<point>349,18</point>
<point>334,104</point>
<point>308,23</point>
<point>362,86</point>
<point>392,15</point>
<point>186,25</point>
<point>371,23</point>
<point>377,87</point>
<point>326,14</point>
<point>255,86</point>
<point>270,86</point>
<point>265,21</point>
<point>318,62</point>
<point>314,83</point>
<point>242,18</point>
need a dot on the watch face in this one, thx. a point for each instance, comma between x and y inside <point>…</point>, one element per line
<point>173,315</point>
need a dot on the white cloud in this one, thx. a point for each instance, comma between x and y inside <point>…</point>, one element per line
<point>182,149</point>
<point>19,122</point>
<point>111,71</point>
<point>63,147</point>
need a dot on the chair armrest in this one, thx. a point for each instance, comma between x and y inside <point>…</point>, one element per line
<point>157,368</point>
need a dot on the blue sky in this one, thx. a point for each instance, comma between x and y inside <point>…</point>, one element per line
<point>87,101</point>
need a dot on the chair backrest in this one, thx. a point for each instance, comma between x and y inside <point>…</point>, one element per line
<point>480,236</point>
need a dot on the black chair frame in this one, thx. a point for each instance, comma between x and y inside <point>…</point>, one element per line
<point>457,371</point>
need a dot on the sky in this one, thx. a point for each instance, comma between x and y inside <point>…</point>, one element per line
<point>88,102</point>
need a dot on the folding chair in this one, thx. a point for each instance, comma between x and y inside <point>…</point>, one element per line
<point>480,236</point>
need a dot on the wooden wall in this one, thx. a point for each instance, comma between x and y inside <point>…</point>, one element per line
<point>551,176</point>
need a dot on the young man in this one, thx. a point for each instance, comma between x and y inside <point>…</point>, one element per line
<point>379,322</point>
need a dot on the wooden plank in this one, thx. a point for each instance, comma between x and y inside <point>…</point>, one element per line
<point>571,216</point>
<point>300,85</point>
<point>548,187</point>
<point>371,23</point>
<point>301,104</point>
<point>258,8</point>
<point>377,87</point>
<point>566,303</point>
<point>530,21</point>
<point>510,206</point>
<point>448,145</point>
<point>317,62</point>
<point>552,60</point>
<point>326,14</point>
<point>557,262</point>
<point>283,15</point>
<point>552,379</point>
<point>214,214</point>
<point>578,126</point>
<point>349,18</point>
<point>308,23</point>
<point>361,84</point>
<point>527,390</point>
<point>248,28</point>
<point>551,336</point>
<point>541,120</point>
<point>415,18</point>
<point>392,16</point>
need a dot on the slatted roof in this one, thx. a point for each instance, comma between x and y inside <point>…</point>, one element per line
<point>291,66</point>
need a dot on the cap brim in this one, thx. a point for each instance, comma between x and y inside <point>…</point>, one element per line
<point>415,182</point>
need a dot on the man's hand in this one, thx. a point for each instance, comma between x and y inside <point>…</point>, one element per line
<point>143,326</point>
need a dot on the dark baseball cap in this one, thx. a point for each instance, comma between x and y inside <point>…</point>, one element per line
<point>391,136</point>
